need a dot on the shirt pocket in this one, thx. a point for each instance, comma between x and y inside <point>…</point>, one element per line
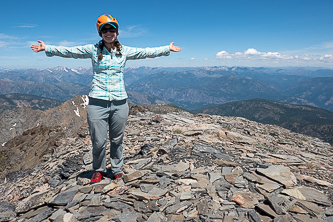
<point>105,63</point>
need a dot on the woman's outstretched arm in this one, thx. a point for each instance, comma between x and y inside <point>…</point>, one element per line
<point>75,52</point>
<point>38,48</point>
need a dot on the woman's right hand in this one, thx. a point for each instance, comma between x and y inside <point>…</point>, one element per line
<point>38,48</point>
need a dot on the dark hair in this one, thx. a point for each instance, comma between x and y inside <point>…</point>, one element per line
<point>116,45</point>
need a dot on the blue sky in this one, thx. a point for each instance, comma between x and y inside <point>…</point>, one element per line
<point>270,33</point>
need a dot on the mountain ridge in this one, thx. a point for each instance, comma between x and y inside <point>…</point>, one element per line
<point>208,85</point>
<point>308,120</point>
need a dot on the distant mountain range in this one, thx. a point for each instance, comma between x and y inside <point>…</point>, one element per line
<point>307,120</point>
<point>189,88</point>
<point>193,89</point>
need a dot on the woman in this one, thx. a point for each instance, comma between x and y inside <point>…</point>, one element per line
<point>108,106</point>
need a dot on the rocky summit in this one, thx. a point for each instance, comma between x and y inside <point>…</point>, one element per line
<point>180,167</point>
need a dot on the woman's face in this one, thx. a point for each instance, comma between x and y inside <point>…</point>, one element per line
<point>109,35</point>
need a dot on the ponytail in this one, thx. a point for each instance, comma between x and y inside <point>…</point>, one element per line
<point>116,45</point>
<point>100,46</point>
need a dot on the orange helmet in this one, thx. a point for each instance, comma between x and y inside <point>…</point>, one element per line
<point>106,19</point>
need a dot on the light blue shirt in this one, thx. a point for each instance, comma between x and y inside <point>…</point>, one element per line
<point>108,80</point>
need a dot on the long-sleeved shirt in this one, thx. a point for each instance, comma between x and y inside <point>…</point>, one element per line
<point>108,82</point>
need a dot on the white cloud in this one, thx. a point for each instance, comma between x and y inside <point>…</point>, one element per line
<point>252,51</point>
<point>327,45</point>
<point>254,56</point>
<point>327,57</point>
<point>275,55</point>
<point>25,25</point>
<point>192,58</point>
<point>4,36</point>
<point>3,44</point>
<point>223,55</point>
<point>7,40</point>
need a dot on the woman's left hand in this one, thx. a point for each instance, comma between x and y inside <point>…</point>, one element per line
<point>174,48</point>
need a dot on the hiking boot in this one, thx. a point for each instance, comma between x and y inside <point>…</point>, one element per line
<point>118,176</point>
<point>96,177</point>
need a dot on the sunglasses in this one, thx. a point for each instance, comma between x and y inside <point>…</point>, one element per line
<point>108,30</point>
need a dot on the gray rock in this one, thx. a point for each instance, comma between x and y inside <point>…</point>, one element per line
<point>154,218</point>
<point>306,218</point>
<point>91,212</point>
<point>239,138</point>
<point>254,216</point>
<point>146,187</point>
<point>64,198</point>
<point>203,207</point>
<point>200,148</point>
<point>58,213</point>
<point>133,176</point>
<point>284,218</point>
<point>117,205</point>
<point>33,201</point>
<point>187,195</point>
<point>329,219</point>
<point>277,203</point>
<point>308,194</point>
<point>329,212</point>
<point>126,217</point>
<point>177,208</point>
<point>312,208</point>
<point>95,201</point>
<point>265,208</point>
<point>141,207</point>
<point>88,158</point>
<point>7,215</point>
<point>280,174</point>
<point>133,132</point>
<point>42,215</point>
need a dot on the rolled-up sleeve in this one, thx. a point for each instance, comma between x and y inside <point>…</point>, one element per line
<point>77,52</point>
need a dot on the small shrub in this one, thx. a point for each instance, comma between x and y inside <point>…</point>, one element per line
<point>310,165</point>
<point>273,133</point>
<point>227,126</point>
<point>304,138</point>
<point>177,131</point>
<point>267,147</point>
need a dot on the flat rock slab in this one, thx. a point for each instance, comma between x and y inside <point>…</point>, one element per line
<point>307,218</point>
<point>153,194</point>
<point>264,182</point>
<point>308,194</point>
<point>33,201</point>
<point>237,137</point>
<point>181,166</point>
<point>126,217</point>
<point>133,176</point>
<point>7,216</point>
<point>247,199</point>
<point>280,174</point>
<point>316,181</point>
<point>154,218</point>
<point>64,198</point>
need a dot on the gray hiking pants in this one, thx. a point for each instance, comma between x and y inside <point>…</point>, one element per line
<point>102,115</point>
